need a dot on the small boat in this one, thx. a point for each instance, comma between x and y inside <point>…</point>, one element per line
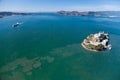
<point>16,25</point>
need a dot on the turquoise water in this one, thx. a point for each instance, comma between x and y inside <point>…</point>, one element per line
<point>47,47</point>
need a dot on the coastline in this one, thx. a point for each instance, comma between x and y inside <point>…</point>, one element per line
<point>6,14</point>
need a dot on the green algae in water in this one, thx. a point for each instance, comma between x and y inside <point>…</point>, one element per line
<point>17,69</point>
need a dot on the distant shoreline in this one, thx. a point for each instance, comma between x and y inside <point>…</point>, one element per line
<point>6,14</point>
<point>89,13</point>
<point>67,13</point>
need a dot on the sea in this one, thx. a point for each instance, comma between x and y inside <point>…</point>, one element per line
<point>47,46</point>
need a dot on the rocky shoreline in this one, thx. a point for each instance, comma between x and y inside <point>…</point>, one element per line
<point>87,48</point>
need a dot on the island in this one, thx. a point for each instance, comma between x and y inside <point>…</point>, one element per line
<point>97,42</point>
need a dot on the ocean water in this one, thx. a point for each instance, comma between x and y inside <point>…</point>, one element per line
<point>48,47</point>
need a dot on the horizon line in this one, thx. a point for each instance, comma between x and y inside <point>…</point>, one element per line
<point>57,11</point>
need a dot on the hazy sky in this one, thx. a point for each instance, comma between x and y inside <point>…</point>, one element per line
<point>56,5</point>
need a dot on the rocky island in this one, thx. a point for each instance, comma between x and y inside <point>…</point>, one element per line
<point>97,42</point>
